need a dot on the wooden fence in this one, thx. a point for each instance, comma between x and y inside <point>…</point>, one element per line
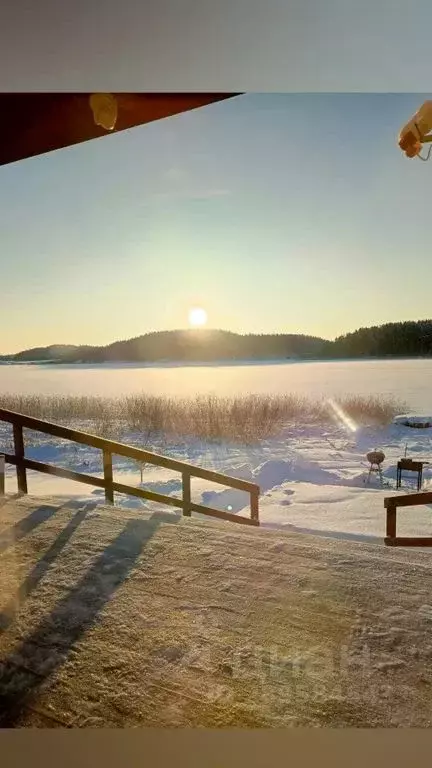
<point>109,448</point>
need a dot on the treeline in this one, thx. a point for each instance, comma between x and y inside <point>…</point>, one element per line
<point>201,346</point>
<point>405,339</point>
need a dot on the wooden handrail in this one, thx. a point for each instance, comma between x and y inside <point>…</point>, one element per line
<point>110,447</point>
<point>391,503</point>
<point>408,500</point>
<point>121,449</point>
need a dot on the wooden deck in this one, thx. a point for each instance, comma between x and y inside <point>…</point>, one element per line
<point>111,617</point>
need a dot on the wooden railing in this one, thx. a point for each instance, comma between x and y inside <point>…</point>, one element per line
<point>109,448</point>
<point>409,500</point>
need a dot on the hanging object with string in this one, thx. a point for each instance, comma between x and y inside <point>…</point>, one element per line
<point>104,108</point>
<point>417,132</point>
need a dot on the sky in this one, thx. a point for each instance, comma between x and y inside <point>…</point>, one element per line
<point>288,213</point>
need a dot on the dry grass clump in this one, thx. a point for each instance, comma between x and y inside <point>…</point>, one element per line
<point>246,419</point>
<point>375,410</point>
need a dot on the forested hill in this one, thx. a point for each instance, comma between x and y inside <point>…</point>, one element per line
<point>405,339</point>
<point>202,346</point>
<point>187,346</point>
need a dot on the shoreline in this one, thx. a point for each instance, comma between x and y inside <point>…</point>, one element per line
<point>206,364</point>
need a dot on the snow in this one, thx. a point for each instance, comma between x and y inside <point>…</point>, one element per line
<point>114,619</point>
<point>312,479</point>
<point>310,632</point>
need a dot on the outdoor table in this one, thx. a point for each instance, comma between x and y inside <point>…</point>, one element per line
<point>410,466</point>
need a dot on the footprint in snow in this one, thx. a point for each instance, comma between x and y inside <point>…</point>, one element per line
<point>280,547</point>
<point>425,612</point>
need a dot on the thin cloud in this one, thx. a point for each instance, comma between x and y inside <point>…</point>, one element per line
<point>191,194</point>
<point>174,174</point>
<point>179,185</point>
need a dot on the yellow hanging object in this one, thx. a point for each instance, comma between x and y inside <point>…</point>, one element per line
<point>104,108</point>
<point>417,132</point>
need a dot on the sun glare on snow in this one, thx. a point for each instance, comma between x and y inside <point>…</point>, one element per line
<point>197,317</point>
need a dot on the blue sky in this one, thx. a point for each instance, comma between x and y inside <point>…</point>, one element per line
<point>288,213</point>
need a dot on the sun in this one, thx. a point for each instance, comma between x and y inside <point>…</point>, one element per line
<point>197,317</point>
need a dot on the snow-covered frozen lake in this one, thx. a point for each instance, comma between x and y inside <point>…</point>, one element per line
<point>408,380</point>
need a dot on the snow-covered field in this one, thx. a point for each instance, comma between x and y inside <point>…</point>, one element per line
<point>312,478</point>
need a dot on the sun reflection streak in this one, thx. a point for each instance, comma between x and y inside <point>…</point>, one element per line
<point>341,417</point>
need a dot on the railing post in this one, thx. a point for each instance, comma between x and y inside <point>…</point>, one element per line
<point>108,477</point>
<point>254,505</point>
<point>2,475</point>
<point>186,483</point>
<point>391,522</point>
<point>19,455</point>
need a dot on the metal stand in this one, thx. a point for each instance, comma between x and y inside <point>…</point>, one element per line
<point>374,467</point>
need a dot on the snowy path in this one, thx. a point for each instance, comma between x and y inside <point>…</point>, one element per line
<point>119,618</point>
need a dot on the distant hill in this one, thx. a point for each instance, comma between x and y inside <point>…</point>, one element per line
<point>204,346</point>
<point>181,346</point>
<point>403,339</point>
<point>46,353</point>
